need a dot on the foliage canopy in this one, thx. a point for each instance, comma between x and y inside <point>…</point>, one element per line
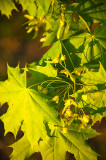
<point>58,104</point>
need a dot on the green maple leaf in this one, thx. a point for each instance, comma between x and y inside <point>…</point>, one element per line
<point>7,6</point>
<point>96,81</point>
<point>92,10</point>
<point>55,146</point>
<point>98,99</point>
<point>90,46</point>
<point>52,52</point>
<point>25,105</point>
<point>97,117</point>
<point>73,141</point>
<point>100,35</point>
<point>43,6</point>
<point>29,5</point>
<point>95,90</point>
<point>21,149</point>
<point>43,73</point>
<point>52,27</point>
<point>94,78</point>
<point>95,9</point>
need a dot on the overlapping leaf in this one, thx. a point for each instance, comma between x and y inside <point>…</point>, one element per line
<point>95,91</point>
<point>98,115</point>
<point>43,7</point>
<point>55,146</point>
<point>73,141</point>
<point>100,35</point>
<point>52,52</point>
<point>92,10</point>
<point>22,149</point>
<point>7,6</point>
<point>90,46</point>
<point>94,78</point>
<point>29,5</point>
<point>98,14</point>
<point>25,105</point>
<point>40,73</point>
<point>97,79</point>
<point>51,35</point>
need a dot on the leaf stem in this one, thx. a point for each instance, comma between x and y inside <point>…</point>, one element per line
<point>68,54</point>
<point>85,24</point>
<point>74,87</point>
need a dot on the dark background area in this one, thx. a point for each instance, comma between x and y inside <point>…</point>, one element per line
<point>16,46</point>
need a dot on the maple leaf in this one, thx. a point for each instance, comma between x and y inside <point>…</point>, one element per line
<point>44,73</point>
<point>21,149</point>
<point>95,91</point>
<point>73,141</point>
<point>94,10</point>
<point>54,147</point>
<point>52,52</point>
<point>43,6</point>
<point>98,116</point>
<point>29,5</point>
<point>25,105</point>
<point>90,46</point>
<point>6,7</point>
<point>94,78</point>
<point>100,35</point>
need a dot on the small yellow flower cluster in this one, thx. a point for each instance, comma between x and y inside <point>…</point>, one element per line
<point>57,60</point>
<point>56,99</point>
<point>63,58</point>
<point>84,120</point>
<point>69,115</point>
<point>42,90</point>
<point>66,72</point>
<point>81,70</point>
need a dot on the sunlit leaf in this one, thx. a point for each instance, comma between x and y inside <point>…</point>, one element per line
<point>29,5</point>
<point>43,6</point>
<point>52,52</point>
<point>73,141</point>
<point>90,46</point>
<point>25,105</point>
<point>22,149</point>
<point>7,6</point>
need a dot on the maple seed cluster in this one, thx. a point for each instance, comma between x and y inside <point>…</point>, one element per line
<point>69,115</point>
